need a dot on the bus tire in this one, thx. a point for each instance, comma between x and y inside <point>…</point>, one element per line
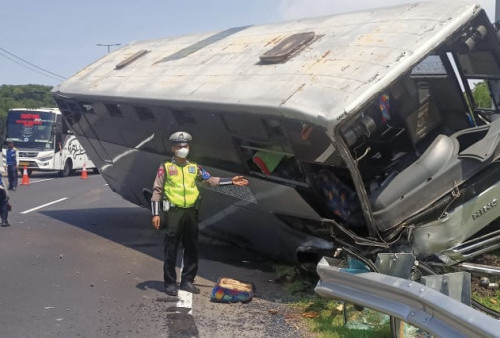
<point>68,168</point>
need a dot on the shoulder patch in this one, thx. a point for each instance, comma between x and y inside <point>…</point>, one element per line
<point>160,172</point>
<point>205,175</point>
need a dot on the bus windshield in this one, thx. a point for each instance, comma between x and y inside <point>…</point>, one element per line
<point>31,129</point>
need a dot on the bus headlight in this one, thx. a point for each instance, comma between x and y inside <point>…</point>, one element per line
<point>45,159</point>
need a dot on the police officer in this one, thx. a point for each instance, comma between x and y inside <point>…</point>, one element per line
<point>175,193</point>
<point>12,161</point>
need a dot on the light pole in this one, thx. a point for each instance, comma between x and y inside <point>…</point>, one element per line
<point>108,45</point>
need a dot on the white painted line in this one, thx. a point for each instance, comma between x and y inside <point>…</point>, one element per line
<point>47,179</point>
<point>185,298</point>
<point>44,205</point>
<point>185,301</point>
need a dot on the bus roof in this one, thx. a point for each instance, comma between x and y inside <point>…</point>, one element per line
<point>332,66</point>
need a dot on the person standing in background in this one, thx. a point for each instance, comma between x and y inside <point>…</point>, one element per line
<point>12,162</point>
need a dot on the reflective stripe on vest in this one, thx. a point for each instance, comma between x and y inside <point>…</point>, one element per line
<point>180,184</point>
<point>10,156</point>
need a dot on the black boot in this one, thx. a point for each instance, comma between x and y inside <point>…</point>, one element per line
<point>189,287</point>
<point>171,289</point>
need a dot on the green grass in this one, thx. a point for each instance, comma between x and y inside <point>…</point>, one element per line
<point>327,321</point>
<point>489,298</point>
<point>324,317</point>
<point>492,302</point>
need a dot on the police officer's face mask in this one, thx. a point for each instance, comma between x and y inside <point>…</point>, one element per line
<point>182,152</point>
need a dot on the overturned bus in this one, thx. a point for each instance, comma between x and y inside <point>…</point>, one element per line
<point>371,132</point>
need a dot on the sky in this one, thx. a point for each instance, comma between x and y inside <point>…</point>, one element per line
<point>46,41</point>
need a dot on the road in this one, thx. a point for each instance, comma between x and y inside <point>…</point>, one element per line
<point>79,261</point>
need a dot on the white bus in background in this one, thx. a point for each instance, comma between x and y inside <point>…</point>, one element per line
<point>44,142</point>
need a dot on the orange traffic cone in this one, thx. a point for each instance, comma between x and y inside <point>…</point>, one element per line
<point>84,172</point>
<point>26,178</point>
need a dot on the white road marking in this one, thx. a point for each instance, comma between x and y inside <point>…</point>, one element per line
<point>185,301</point>
<point>185,298</point>
<point>44,205</point>
<point>47,179</point>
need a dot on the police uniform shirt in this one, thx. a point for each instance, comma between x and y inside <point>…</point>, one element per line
<point>159,183</point>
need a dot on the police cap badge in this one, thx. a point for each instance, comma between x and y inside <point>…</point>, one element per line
<point>180,138</point>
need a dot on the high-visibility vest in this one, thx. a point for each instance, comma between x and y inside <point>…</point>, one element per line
<point>180,184</point>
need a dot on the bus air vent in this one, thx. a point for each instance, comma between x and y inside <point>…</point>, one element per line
<point>132,58</point>
<point>287,48</point>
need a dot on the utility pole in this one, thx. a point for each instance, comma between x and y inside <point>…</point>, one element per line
<point>108,45</point>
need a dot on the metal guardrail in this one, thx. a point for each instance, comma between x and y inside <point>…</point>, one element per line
<point>409,301</point>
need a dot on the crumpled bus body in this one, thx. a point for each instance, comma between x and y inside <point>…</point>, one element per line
<point>373,131</point>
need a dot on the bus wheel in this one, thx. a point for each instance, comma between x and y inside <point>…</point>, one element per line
<point>68,168</point>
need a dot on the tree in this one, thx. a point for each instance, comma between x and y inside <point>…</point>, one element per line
<point>481,95</point>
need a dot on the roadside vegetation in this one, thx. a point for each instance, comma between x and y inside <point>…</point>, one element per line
<point>22,96</point>
<point>328,318</point>
<point>325,317</point>
<point>490,296</point>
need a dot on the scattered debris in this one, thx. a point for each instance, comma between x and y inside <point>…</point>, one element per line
<point>337,310</point>
<point>484,282</point>
<point>231,291</point>
<point>310,314</point>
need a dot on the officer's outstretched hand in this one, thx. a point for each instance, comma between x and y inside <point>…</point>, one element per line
<point>156,222</point>
<point>239,180</point>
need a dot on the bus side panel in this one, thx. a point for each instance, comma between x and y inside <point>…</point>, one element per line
<point>73,151</point>
<point>58,163</point>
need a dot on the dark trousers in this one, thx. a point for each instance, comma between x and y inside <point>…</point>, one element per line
<point>12,172</point>
<point>181,227</point>
<point>4,211</point>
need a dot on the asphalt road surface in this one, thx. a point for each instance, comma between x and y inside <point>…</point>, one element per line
<point>79,261</point>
